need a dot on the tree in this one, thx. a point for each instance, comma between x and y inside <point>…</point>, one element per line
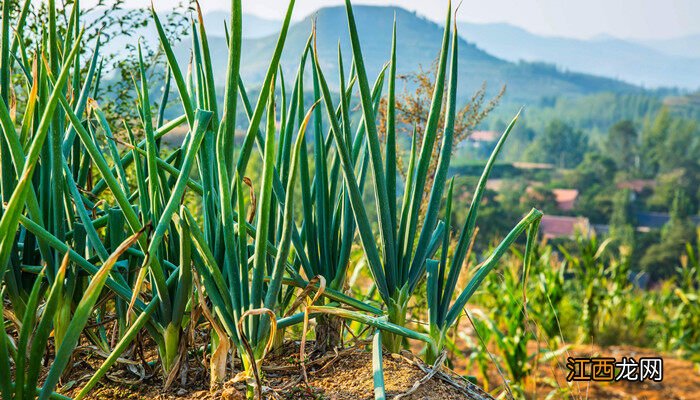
<point>595,169</point>
<point>661,259</point>
<point>668,143</point>
<point>113,22</point>
<point>594,179</point>
<point>621,143</point>
<point>538,196</point>
<point>560,144</point>
<point>621,221</point>
<point>413,107</point>
<point>686,178</point>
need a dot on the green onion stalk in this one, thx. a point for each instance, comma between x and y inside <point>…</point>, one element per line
<point>400,264</point>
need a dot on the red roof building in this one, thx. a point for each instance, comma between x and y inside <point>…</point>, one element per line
<point>557,226</point>
<point>566,198</point>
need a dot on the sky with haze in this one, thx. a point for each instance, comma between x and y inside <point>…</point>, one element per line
<point>638,19</point>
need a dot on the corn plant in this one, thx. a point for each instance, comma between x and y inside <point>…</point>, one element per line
<point>590,271</point>
<point>509,321</point>
<point>677,305</point>
<point>548,291</point>
<point>511,330</point>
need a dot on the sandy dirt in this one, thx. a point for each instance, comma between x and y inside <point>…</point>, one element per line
<point>347,375</point>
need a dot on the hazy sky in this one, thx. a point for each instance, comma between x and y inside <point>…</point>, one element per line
<point>579,18</point>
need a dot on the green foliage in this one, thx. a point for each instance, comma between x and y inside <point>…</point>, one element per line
<point>676,305</point>
<point>593,273</point>
<point>559,144</point>
<point>686,179</point>
<point>403,265</point>
<point>597,113</point>
<point>519,306</point>
<point>661,259</point>
<point>622,220</point>
<point>507,324</point>
<point>668,143</point>
<point>622,140</point>
<point>586,297</point>
<point>547,292</point>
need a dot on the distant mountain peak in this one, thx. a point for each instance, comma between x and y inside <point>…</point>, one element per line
<point>647,64</point>
<point>418,46</point>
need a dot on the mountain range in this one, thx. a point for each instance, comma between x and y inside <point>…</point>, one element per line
<point>684,46</point>
<point>418,45</point>
<point>659,63</point>
<point>533,67</point>
<point>650,63</point>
